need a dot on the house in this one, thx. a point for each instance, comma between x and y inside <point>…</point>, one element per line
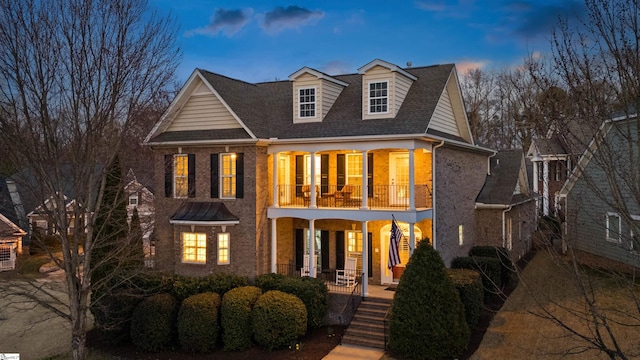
<point>39,218</point>
<point>141,197</point>
<point>600,212</point>
<point>258,175</point>
<point>10,243</point>
<point>506,199</point>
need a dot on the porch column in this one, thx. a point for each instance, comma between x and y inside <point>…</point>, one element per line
<point>365,259</point>
<point>545,187</point>
<point>274,246</point>
<point>276,198</point>
<point>312,189</point>
<point>412,182</point>
<point>365,189</point>
<point>312,245</point>
<point>412,239</point>
<point>535,183</point>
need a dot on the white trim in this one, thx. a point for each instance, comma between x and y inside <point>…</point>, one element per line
<point>608,237</point>
<point>222,176</point>
<point>315,102</point>
<point>228,248</point>
<point>388,65</point>
<point>317,74</point>
<point>388,97</point>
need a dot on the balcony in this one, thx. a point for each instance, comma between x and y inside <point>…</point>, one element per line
<point>351,196</point>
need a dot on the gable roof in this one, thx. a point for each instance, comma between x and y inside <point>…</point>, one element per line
<point>265,110</point>
<point>507,167</point>
<point>8,228</point>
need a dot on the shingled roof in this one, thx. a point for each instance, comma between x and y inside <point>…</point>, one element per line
<point>266,109</point>
<point>500,185</point>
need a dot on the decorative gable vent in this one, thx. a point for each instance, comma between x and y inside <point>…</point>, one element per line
<point>384,87</point>
<point>314,93</point>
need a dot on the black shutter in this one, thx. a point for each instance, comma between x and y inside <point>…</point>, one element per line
<point>340,170</point>
<point>324,173</point>
<point>299,174</point>
<point>340,250</point>
<point>299,248</point>
<point>191,180</point>
<point>369,254</point>
<point>168,175</point>
<point>324,250</point>
<point>215,180</point>
<point>239,175</point>
<point>370,175</point>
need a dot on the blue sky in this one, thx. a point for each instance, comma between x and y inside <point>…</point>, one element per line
<point>259,41</point>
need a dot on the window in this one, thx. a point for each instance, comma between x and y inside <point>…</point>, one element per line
<point>223,248</point>
<point>460,235</point>
<point>540,171</point>
<point>307,101</point>
<point>133,199</point>
<point>181,176</point>
<point>307,167</point>
<point>317,245</point>
<point>354,169</point>
<point>228,175</point>
<point>378,97</point>
<point>613,227</point>
<point>509,233</point>
<point>354,247</point>
<point>194,248</point>
<point>558,174</point>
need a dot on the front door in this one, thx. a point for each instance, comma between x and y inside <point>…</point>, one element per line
<point>399,179</point>
<point>392,276</point>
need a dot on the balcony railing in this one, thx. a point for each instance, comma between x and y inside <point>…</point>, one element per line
<point>332,196</point>
<point>327,275</point>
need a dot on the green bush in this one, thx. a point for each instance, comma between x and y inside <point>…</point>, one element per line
<point>220,283</point>
<point>112,314</point>
<point>198,322</point>
<point>469,286</point>
<point>427,316</point>
<point>277,319</point>
<point>313,293</point>
<point>153,323</point>
<point>235,317</point>
<point>500,253</point>
<point>488,267</point>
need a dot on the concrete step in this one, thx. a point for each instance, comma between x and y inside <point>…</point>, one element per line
<point>367,325</point>
<point>353,340</point>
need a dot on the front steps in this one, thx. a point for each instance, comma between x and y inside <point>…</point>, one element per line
<point>367,327</point>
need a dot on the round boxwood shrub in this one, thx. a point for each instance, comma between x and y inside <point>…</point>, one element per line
<point>427,316</point>
<point>153,323</point>
<point>220,283</point>
<point>277,319</point>
<point>198,322</point>
<point>235,317</point>
<point>469,286</point>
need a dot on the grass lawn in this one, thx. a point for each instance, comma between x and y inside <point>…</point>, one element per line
<point>519,331</point>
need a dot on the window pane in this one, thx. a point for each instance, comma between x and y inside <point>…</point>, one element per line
<point>181,175</point>
<point>223,248</point>
<point>228,175</point>
<point>194,247</point>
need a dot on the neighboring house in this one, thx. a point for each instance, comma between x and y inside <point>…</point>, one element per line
<point>39,218</point>
<point>599,204</point>
<point>254,171</point>
<point>10,243</point>
<point>141,197</point>
<point>506,199</point>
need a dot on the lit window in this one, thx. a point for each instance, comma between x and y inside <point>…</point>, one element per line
<point>223,248</point>
<point>378,97</point>
<point>460,235</point>
<point>613,227</point>
<point>194,248</point>
<point>133,199</point>
<point>181,176</point>
<point>354,169</point>
<point>307,100</point>
<point>228,175</point>
<point>307,166</point>
<point>354,247</point>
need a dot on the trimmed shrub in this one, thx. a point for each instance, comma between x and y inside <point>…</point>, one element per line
<point>235,317</point>
<point>198,322</point>
<point>500,253</point>
<point>313,293</point>
<point>469,286</point>
<point>488,267</point>
<point>153,323</point>
<point>427,316</point>
<point>277,319</point>
<point>220,283</point>
<point>112,315</point>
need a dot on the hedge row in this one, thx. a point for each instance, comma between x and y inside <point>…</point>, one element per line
<point>469,286</point>
<point>500,253</point>
<point>236,317</point>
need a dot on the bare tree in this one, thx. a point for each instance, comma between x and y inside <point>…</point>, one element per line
<point>74,75</point>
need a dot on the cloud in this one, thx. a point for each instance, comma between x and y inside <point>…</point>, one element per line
<point>336,67</point>
<point>227,21</point>
<point>293,16</point>
<point>431,5</point>
<point>532,19</point>
<point>465,66</point>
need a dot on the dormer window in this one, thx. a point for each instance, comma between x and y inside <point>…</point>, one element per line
<point>307,102</point>
<point>378,97</point>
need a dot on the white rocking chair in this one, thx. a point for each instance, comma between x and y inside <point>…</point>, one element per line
<point>347,276</point>
<point>305,270</point>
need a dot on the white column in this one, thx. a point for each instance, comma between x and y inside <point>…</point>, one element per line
<point>365,190</point>
<point>312,248</point>
<point>412,239</point>
<point>274,246</point>
<point>312,189</point>
<point>412,181</point>
<point>276,198</point>
<point>365,260</point>
<point>535,183</point>
<point>545,187</point>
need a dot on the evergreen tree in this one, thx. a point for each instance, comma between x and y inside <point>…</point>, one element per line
<point>136,251</point>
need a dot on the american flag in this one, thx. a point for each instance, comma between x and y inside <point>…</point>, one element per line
<point>394,240</point>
